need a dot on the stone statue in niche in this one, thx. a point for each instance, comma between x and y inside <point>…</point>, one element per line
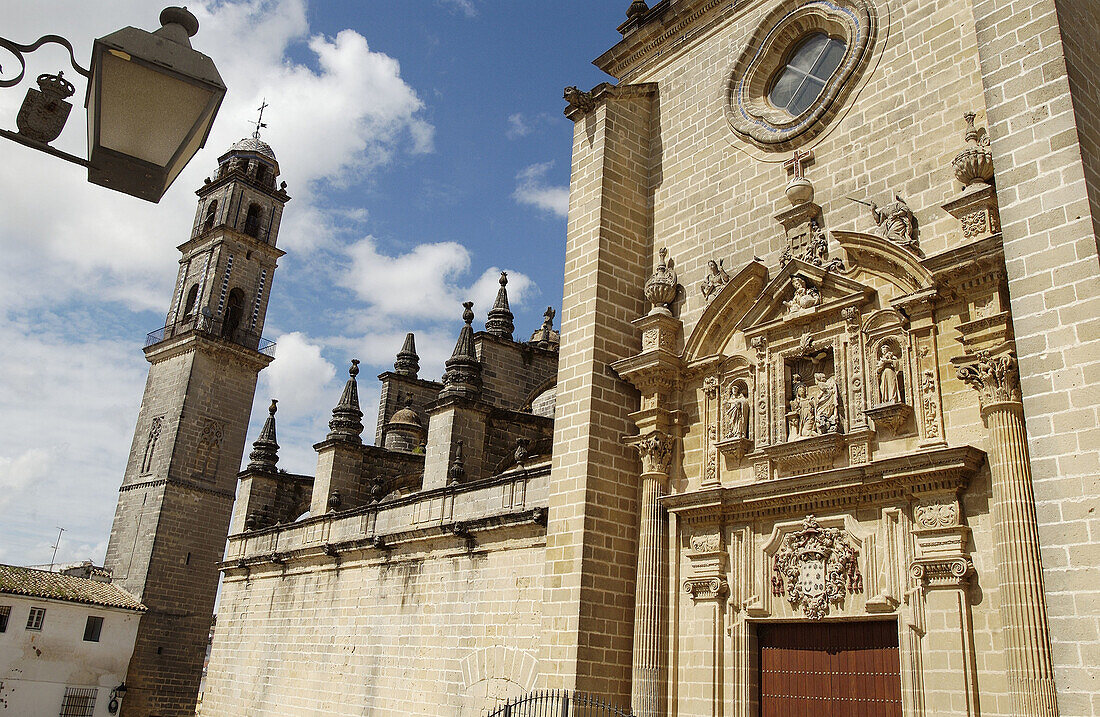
<point>889,379</point>
<point>716,278</point>
<point>815,406</point>
<point>805,297</point>
<point>801,421</point>
<point>896,222</point>
<point>737,413</point>
<point>826,403</point>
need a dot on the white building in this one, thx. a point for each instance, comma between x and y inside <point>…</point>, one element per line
<point>65,643</point>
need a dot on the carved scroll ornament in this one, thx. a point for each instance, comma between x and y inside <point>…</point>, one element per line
<point>816,567</point>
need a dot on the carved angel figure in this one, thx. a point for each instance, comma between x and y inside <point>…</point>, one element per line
<point>737,413</point>
<point>715,279</point>
<point>826,404</point>
<point>889,390</point>
<point>895,221</point>
<point>805,297</point>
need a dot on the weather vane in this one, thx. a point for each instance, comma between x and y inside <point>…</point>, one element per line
<point>260,124</point>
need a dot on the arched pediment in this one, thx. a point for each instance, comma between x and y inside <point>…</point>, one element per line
<point>882,258</point>
<point>724,312</point>
<point>827,291</point>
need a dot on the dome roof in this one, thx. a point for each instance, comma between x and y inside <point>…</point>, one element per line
<point>254,144</point>
<point>405,417</point>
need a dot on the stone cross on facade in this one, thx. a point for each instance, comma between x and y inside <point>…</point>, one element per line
<point>796,165</point>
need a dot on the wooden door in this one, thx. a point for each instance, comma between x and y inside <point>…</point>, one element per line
<point>843,669</point>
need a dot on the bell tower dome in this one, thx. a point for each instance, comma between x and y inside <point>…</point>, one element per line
<point>177,492</point>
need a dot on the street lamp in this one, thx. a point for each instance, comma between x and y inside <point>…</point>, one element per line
<point>151,101</point>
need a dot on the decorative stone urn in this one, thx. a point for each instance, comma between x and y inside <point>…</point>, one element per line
<point>974,165</point>
<point>661,288</point>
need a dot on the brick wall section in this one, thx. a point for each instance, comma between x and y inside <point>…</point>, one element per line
<point>1051,255</point>
<point>511,372</point>
<point>1079,21</point>
<point>591,544</point>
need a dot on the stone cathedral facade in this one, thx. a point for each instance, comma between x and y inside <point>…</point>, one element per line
<point>819,432</point>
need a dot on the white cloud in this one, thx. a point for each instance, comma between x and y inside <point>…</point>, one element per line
<point>19,472</point>
<point>424,283</point>
<point>297,377</point>
<point>518,126</point>
<point>531,189</point>
<point>465,7</point>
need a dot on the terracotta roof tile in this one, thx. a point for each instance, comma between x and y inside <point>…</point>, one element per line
<point>42,584</point>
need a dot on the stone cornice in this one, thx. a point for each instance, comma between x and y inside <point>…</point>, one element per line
<point>894,478</point>
<point>194,340</point>
<point>217,235</point>
<point>665,26</point>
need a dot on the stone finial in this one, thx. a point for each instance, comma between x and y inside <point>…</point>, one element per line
<point>265,451</point>
<point>547,337</point>
<point>500,320</point>
<point>347,418</point>
<point>407,363</point>
<point>661,288</point>
<point>462,376</point>
<point>974,165</point>
<point>799,189</point>
<point>457,470</point>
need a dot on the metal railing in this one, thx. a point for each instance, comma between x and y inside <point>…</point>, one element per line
<point>558,703</point>
<point>212,327</point>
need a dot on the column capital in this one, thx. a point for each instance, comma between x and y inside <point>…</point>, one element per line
<point>951,572</point>
<point>655,450</point>
<point>701,589</point>
<point>995,378</point>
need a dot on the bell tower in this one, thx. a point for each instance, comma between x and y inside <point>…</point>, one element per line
<point>177,494</point>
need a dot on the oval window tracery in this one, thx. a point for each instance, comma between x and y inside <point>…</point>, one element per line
<point>798,85</point>
<point>796,71</point>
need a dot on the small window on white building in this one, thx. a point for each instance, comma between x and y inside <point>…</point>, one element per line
<point>78,702</point>
<point>92,629</point>
<point>36,618</point>
<point>5,612</point>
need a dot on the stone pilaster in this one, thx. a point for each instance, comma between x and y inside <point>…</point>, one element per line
<point>709,589</point>
<point>650,638</point>
<point>1022,601</point>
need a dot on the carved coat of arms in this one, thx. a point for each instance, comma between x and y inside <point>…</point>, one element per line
<point>816,567</point>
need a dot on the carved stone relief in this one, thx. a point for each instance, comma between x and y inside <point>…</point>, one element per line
<point>715,279</point>
<point>804,298</point>
<point>816,568</point>
<point>814,399</point>
<point>995,378</point>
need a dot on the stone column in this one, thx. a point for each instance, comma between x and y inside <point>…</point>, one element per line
<point>650,610</point>
<point>1016,536</point>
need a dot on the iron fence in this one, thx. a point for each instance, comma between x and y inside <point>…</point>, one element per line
<point>558,703</point>
<point>212,327</point>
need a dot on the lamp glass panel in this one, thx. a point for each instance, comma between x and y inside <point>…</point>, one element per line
<point>192,146</point>
<point>145,113</point>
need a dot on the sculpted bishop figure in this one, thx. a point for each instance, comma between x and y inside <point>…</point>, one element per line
<point>737,413</point>
<point>888,387</point>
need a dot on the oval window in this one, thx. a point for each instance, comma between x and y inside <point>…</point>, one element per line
<point>801,81</point>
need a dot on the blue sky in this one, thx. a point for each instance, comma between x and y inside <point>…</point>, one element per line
<point>425,149</point>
